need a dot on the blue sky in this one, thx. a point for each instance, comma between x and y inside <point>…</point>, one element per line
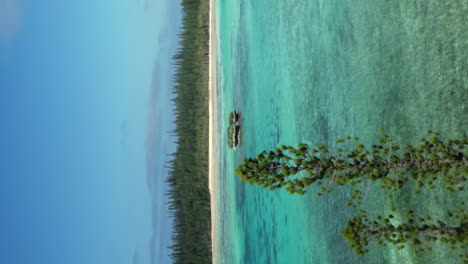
<point>85,116</point>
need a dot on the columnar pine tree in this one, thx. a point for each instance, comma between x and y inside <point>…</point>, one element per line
<point>418,231</point>
<point>433,161</point>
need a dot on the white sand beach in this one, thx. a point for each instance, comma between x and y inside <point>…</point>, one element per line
<point>212,84</point>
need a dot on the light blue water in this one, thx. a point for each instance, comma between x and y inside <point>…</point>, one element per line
<point>314,71</point>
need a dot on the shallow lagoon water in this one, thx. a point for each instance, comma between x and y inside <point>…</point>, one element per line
<point>315,71</point>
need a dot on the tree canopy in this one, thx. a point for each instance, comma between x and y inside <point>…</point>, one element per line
<point>418,231</point>
<point>188,180</point>
<point>433,161</point>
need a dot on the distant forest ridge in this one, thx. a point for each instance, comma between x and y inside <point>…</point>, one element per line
<point>189,196</point>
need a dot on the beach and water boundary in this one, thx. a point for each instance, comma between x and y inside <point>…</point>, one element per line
<point>213,121</point>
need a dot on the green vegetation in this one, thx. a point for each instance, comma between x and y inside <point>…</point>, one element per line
<point>434,162</point>
<point>390,165</point>
<point>188,179</point>
<point>418,231</point>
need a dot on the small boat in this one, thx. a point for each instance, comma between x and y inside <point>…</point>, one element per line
<point>234,117</point>
<point>234,129</point>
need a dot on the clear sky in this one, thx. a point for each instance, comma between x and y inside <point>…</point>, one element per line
<point>85,116</point>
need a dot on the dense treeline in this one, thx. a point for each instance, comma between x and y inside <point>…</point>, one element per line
<point>188,179</point>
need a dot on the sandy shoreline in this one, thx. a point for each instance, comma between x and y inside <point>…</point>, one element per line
<point>212,87</point>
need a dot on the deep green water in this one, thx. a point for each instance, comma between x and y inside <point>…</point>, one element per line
<point>314,71</point>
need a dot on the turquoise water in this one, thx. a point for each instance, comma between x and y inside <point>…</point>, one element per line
<point>314,71</point>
